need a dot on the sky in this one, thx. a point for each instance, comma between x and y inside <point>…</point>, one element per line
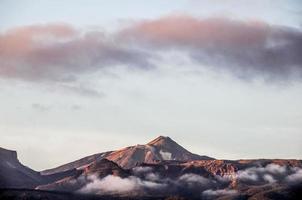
<point>223,78</point>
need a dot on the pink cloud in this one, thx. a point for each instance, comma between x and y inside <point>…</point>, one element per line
<point>244,48</point>
<point>59,52</point>
<point>22,40</point>
<point>186,30</point>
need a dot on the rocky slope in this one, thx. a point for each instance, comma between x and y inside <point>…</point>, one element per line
<point>97,169</point>
<point>161,148</point>
<point>78,164</point>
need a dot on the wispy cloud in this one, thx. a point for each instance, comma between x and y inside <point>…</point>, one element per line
<point>194,179</point>
<point>271,173</point>
<point>41,107</point>
<point>115,184</point>
<point>296,177</point>
<point>210,194</point>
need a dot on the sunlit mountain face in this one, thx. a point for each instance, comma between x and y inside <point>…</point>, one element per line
<point>84,85</point>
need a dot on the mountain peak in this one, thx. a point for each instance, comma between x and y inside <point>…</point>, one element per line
<point>161,140</point>
<point>8,154</point>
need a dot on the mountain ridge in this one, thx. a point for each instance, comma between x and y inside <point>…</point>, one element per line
<point>160,167</point>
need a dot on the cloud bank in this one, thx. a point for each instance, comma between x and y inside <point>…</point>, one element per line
<point>62,53</point>
<point>186,184</point>
<point>244,48</point>
<point>190,184</point>
<point>115,184</point>
<point>270,174</point>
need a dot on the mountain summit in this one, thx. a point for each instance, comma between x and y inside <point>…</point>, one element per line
<point>170,150</point>
<point>161,140</point>
<point>159,149</point>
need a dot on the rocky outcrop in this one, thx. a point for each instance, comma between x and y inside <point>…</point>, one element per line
<point>105,167</point>
<point>15,175</point>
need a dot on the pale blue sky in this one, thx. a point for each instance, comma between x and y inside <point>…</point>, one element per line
<point>210,112</point>
<point>102,12</point>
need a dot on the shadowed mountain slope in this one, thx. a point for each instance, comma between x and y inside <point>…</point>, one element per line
<point>14,174</point>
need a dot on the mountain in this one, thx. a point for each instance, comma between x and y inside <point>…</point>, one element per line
<point>161,148</point>
<point>160,169</point>
<point>14,174</point>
